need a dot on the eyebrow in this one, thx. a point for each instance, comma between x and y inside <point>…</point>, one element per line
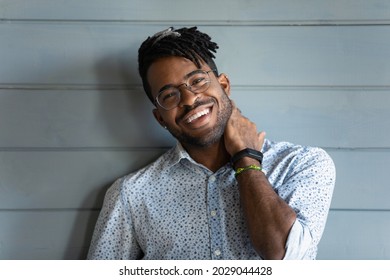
<point>165,87</point>
<point>184,78</point>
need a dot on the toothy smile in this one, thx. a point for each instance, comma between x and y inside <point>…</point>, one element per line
<point>198,115</point>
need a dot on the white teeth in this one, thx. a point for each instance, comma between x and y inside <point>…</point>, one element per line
<point>198,115</point>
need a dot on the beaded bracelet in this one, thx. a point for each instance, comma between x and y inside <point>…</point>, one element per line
<point>246,168</point>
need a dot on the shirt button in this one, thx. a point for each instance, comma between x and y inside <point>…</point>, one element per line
<point>217,252</point>
<point>212,179</point>
<point>213,213</point>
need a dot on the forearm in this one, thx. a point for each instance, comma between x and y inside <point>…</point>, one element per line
<point>269,218</point>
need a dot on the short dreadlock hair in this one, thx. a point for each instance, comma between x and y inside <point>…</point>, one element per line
<point>189,43</point>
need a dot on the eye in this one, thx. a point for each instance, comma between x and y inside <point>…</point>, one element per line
<point>165,96</point>
<point>197,81</point>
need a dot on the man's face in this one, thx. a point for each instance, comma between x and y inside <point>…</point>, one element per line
<point>199,119</point>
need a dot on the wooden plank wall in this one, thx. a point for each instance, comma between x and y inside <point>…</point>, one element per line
<point>73,116</point>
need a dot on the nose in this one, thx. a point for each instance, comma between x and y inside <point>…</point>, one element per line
<point>187,97</point>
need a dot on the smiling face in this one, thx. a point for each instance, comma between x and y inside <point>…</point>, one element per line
<point>199,120</point>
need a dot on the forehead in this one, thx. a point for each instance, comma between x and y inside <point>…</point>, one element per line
<point>169,70</point>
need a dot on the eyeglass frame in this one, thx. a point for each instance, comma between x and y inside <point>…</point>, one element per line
<point>188,76</point>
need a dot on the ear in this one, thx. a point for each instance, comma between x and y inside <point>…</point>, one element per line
<point>224,81</point>
<point>158,117</point>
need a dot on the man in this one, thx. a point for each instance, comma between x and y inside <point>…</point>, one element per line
<point>224,191</point>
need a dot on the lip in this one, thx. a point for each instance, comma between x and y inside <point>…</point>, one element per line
<point>197,114</point>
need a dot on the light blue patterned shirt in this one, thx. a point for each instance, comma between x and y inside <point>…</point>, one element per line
<point>175,208</point>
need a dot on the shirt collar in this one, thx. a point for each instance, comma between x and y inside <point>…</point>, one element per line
<point>179,153</point>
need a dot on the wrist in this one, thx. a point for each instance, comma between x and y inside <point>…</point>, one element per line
<point>247,168</point>
<point>245,161</point>
<point>245,155</point>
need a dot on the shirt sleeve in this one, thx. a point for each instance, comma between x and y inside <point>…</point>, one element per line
<point>308,190</point>
<point>114,236</point>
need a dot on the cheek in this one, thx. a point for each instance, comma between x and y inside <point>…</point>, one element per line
<point>166,118</point>
<point>159,117</point>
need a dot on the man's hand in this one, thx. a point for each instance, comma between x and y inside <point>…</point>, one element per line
<point>241,133</point>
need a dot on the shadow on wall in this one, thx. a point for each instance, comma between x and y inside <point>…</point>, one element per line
<point>126,115</point>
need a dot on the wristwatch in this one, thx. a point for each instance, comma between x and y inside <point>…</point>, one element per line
<point>247,153</point>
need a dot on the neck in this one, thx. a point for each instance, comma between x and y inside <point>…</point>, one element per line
<point>213,157</point>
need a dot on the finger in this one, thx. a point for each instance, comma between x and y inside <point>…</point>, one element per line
<point>261,138</point>
<point>262,134</point>
<point>235,108</point>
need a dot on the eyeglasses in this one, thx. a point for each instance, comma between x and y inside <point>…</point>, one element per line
<point>197,82</point>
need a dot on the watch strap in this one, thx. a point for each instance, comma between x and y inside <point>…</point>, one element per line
<point>247,153</point>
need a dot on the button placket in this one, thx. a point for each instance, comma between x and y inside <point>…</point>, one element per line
<point>214,220</point>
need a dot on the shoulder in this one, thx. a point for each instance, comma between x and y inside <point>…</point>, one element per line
<point>145,176</point>
<point>292,159</point>
<point>281,150</point>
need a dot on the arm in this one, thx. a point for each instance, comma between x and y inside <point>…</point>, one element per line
<point>269,218</point>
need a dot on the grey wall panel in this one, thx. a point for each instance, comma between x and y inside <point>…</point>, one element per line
<point>74,53</point>
<point>325,117</point>
<point>79,118</point>
<point>45,235</point>
<point>64,179</point>
<point>362,179</point>
<point>310,56</point>
<point>356,235</point>
<point>202,10</point>
<point>105,54</point>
